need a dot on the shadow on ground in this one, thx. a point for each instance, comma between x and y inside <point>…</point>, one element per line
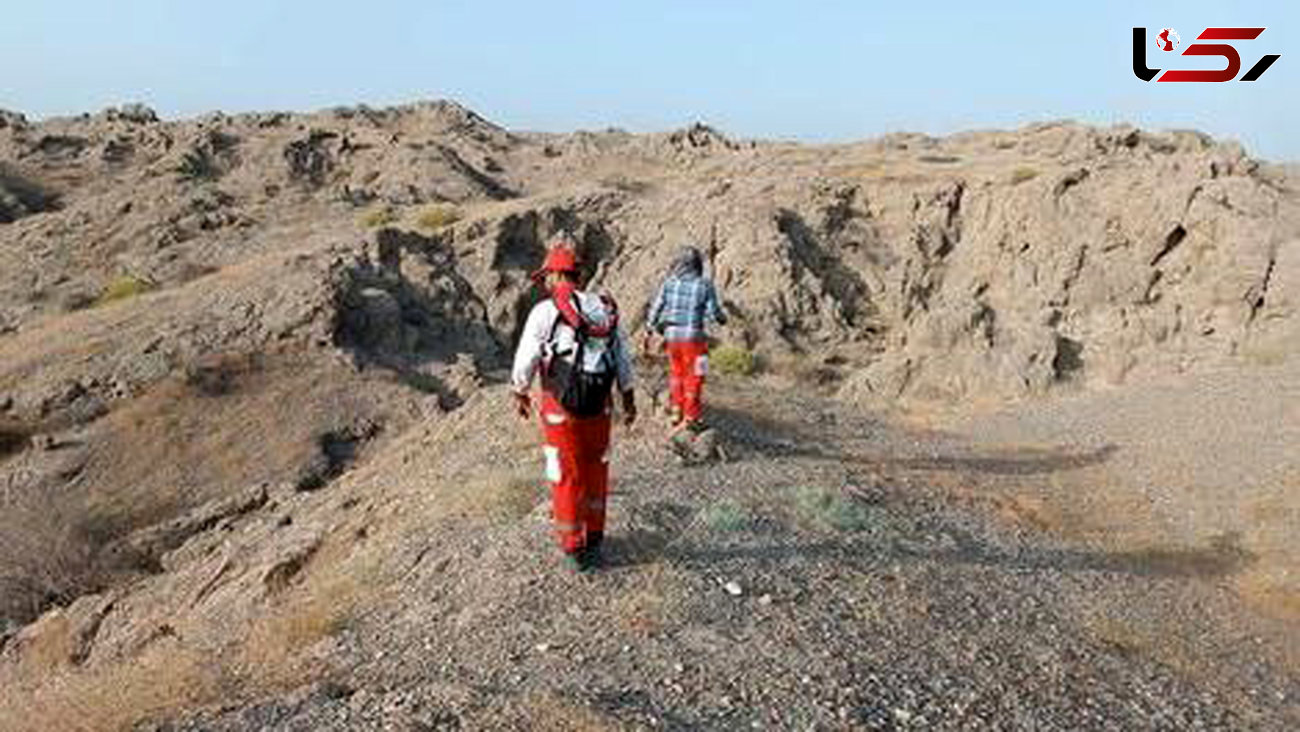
<point>668,532</point>
<point>748,435</point>
<point>650,545</point>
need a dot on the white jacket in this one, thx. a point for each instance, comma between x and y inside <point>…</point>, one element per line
<point>534,346</point>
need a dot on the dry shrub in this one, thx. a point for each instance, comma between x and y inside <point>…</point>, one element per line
<point>218,373</point>
<point>170,677</point>
<point>48,548</point>
<point>163,680</point>
<point>311,612</point>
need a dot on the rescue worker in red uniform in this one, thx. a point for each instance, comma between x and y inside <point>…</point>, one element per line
<point>574,341</point>
<point>686,303</point>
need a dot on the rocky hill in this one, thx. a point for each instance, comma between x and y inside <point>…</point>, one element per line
<point>249,382</point>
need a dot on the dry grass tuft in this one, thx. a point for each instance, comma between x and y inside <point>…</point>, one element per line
<point>433,218</point>
<point>171,676</point>
<point>48,551</point>
<point>730,360</point>
<point>123,288</point>
<point>312,612</point>
<point>377,217</point>
<point>162,680</point>
<point>1022,174</point>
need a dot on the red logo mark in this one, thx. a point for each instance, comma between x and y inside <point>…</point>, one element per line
<point>1168,40</point>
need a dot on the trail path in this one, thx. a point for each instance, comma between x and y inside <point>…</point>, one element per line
<point>837,572</point>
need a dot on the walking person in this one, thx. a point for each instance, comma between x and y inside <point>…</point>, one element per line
<point>574,341</point>
<point>687,302</point>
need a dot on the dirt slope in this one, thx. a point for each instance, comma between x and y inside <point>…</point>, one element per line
<point>420,591</point>
<point>1198,458</point>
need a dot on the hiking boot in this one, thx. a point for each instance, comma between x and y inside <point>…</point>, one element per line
<point>681,445</point>
<point>590,554</point>
<point>576,562</point>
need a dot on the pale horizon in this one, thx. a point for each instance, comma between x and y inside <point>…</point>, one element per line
<point>817,72</point>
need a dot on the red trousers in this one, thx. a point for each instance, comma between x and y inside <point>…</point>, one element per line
<point>577,468</point>
<point>688,365</point>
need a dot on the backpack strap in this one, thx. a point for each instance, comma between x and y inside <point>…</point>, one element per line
<point>565,297</point>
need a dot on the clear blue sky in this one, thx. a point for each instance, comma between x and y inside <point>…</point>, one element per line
<point>807,70</point>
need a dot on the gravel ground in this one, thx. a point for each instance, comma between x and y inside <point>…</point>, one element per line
<point>834,572</point>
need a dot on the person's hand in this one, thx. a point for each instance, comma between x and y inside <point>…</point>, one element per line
<point>629,408</point>
<point>523,405</point>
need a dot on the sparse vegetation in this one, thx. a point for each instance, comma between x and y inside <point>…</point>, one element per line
<point>377,217</point>
<point>216,374</point>
<point>726,516</point>
<point>197,165</point>
<point>124,287</point>
<point>497,495</point>
<point>47,552</point>
<point>730,360</point>
<point>1022,174</point>
<point>833,509</point>
<point>433,218</point>
<point>316,610</point>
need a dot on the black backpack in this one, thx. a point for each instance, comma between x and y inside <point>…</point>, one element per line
<point>584,389</point>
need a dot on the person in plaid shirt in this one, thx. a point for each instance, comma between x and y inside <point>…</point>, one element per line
<point>686,303</point>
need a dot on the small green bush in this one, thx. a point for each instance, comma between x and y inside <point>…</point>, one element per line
<point>1022,174</point>
<point>377,217</point>
<point>731,360</point>
<point>726,516</point>
<point>123,288</point>
<point>832,509</point>
<point>434,218</point>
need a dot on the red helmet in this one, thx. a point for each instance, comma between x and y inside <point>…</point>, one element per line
<point>559,258</point>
